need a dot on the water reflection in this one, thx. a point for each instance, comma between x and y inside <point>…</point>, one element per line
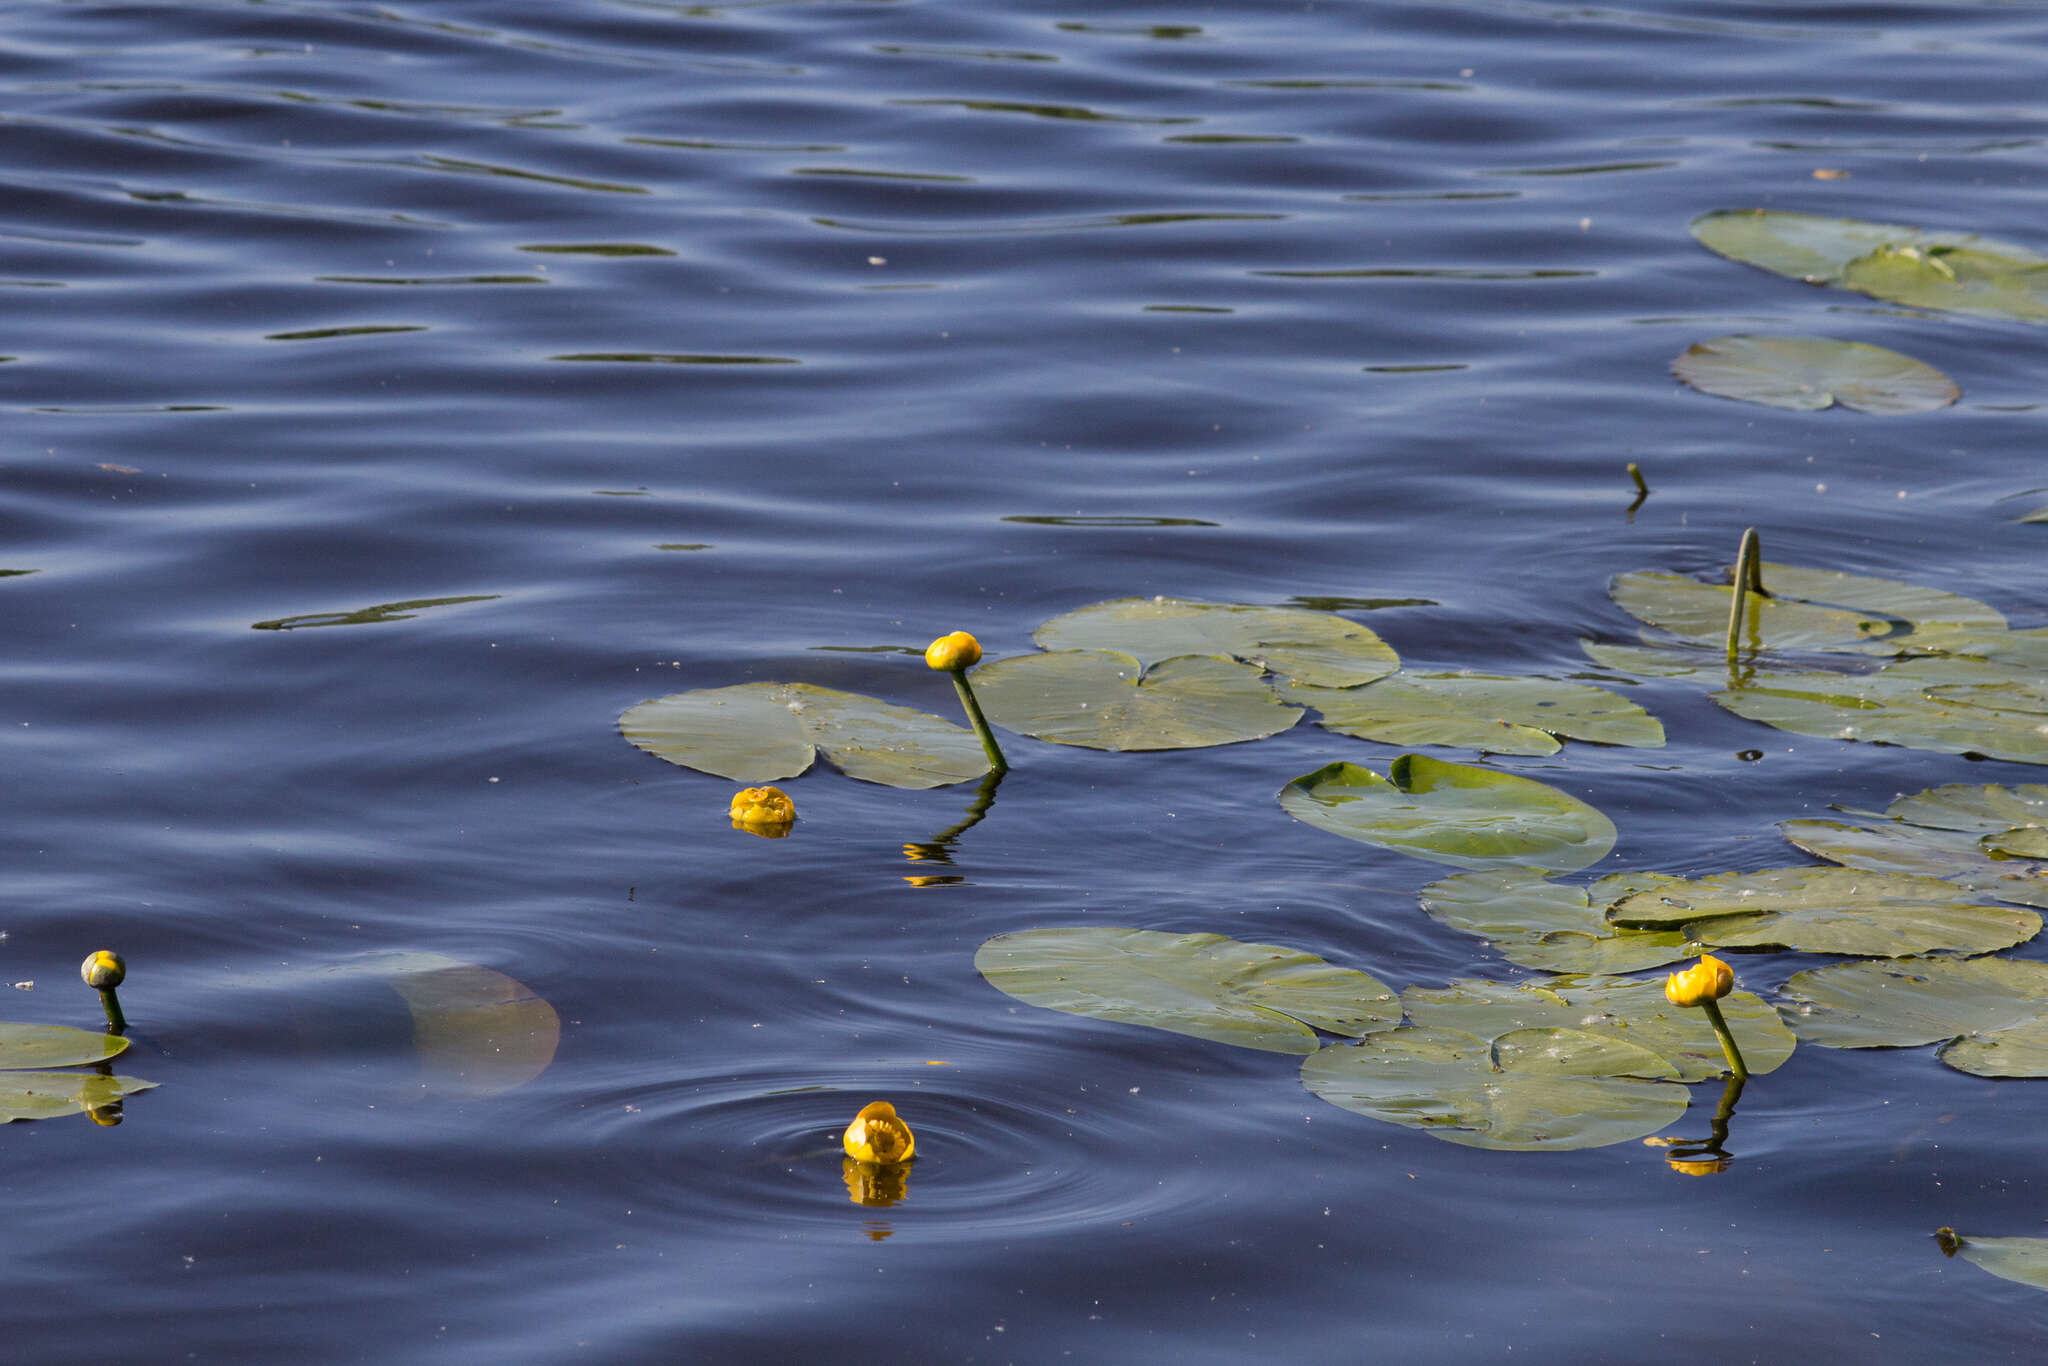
<point>1707,1156</point>
<point>939,848</point>
<point>876,1184</point>
<point>365,616</point>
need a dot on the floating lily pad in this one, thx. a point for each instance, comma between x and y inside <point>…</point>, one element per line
<point>50,1095</point>
<point>1896,847</point>
<point>1896,706</point>
<point>1951,271</point>
<point>1812,373</point>
<point>2023,1260</point>
<point>1500,715</point>
<point>1100,699</point>
<point>1977,808</point>
<point>759,732</point>
<point>2024,842</point>
<point>33,1045</point>
<point>1828,910</point>
<point>1634,1008</point>
<point>477,1032</point>
<point>1253,995</point>
<point>1698,612</point>
<point>1318,648</point>
<point>1527,1090</point>
<point>1459,814</point>
<point>1916,604</point>
<point>1992,1012</point>
<point>1550,926</point>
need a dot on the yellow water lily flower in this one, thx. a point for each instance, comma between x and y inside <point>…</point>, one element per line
<point>1707,980</point>
<point>764,811</point>
<point>877,1134</point>
<point>952,653</point>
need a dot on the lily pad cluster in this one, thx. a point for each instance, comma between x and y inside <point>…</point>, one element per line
<point>1557,1063</point>
<point>31,1089</point>
<point>1913,666</point>
<point>1138,674</point>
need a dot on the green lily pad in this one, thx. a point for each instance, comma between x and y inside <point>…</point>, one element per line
<point>2026,841</point>
<point>1636,1008</point>
<point>1459,814</point>
<point>1828,910</point>
<point>1527,1090</point>
<point>1550,926</point>
<point>1950,271</point>
<point>1809,374</point>
<point>477,1032</point>
<point>51,1095</point>
<point>1897,847</point>
<point>1892,706</point>
<point>33,1045</point>
<point>1920,606</point>
<point>1099,699</point>
<point>1318,648</point>
<point>1252,995</point>
<point>1980,809</point>
<point>2022,1260</point>
<point>1992,1013</point>
<point>1698,612</point>
<point>759,732</point>
<point>1500,715</point>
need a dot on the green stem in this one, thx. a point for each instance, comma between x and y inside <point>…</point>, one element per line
<point>1728,1048</point>
<point>1749,578</point>
<point>1635,472</point>
<point>117,1023</point>
<point>996,762</point>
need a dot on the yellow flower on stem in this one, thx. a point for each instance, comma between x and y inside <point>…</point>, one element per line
<point>764,811</point>
<point>1707,980</point>
<point>877,1134</point>
<point>955,654</point>
<point>1703,985</point>
<point>103,971</point>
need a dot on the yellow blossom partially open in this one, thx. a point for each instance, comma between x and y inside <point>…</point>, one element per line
<point>878,1135</point>
<point>764,811</point>
<point>1707,980</point>
<point>952,653</point>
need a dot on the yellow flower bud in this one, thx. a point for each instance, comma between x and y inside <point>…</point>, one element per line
<point>1707,980</point>
<point>877,1135</point>
<point>764,811</point>
<point>950,654</point>
<point>103,971</point>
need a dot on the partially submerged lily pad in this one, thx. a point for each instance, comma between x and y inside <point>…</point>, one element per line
<point>1459,814</point>
<point>1102,699</point>
<point>1951,271</point>
<point>1809,374</point>
<point>1525,1090</point>
<point>1253,995</point>
<point>1634,1008</point>
<point>1318,648</point>
<point>1550,926</point>
<point>2022,1260</point>
<point>1828,910</point>
<point>1990,1014</point>
<point>759,732</point>
<point>1490,712</point>
<point>42,1094</point>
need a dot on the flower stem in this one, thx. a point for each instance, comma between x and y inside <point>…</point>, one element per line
<point>116,1022</point>
<point>1728,1048</point>
<point>1749,578</point>
<point>996,762</point>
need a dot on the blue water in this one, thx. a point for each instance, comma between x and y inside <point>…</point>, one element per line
<point>699,344</point>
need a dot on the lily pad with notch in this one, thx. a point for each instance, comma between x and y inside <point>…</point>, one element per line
<point>1318,648</point>
<point>1989,1014</point>
<point>1528,1090</point>
<point>1552,926</point>
<point>1103,699</point>
<point>1460,814</point>
<point>1809,374</point>
<point>30,1088</point>
<point>761,732</point>
<point>1261,996</point>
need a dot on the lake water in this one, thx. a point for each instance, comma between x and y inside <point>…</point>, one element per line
<point>700,344</point>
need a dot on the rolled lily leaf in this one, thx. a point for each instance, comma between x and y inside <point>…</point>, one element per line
<point>1099,699</point>
<point>1634,1007</point>
<point>1259,996</point>
<point>1490,712</point>
<point>1459,814</point>
<point>1319,648</point>
<point>1828,910</point>
<point>1528,1090</point>
<point>1809,374</point>
<point>759,732</point>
